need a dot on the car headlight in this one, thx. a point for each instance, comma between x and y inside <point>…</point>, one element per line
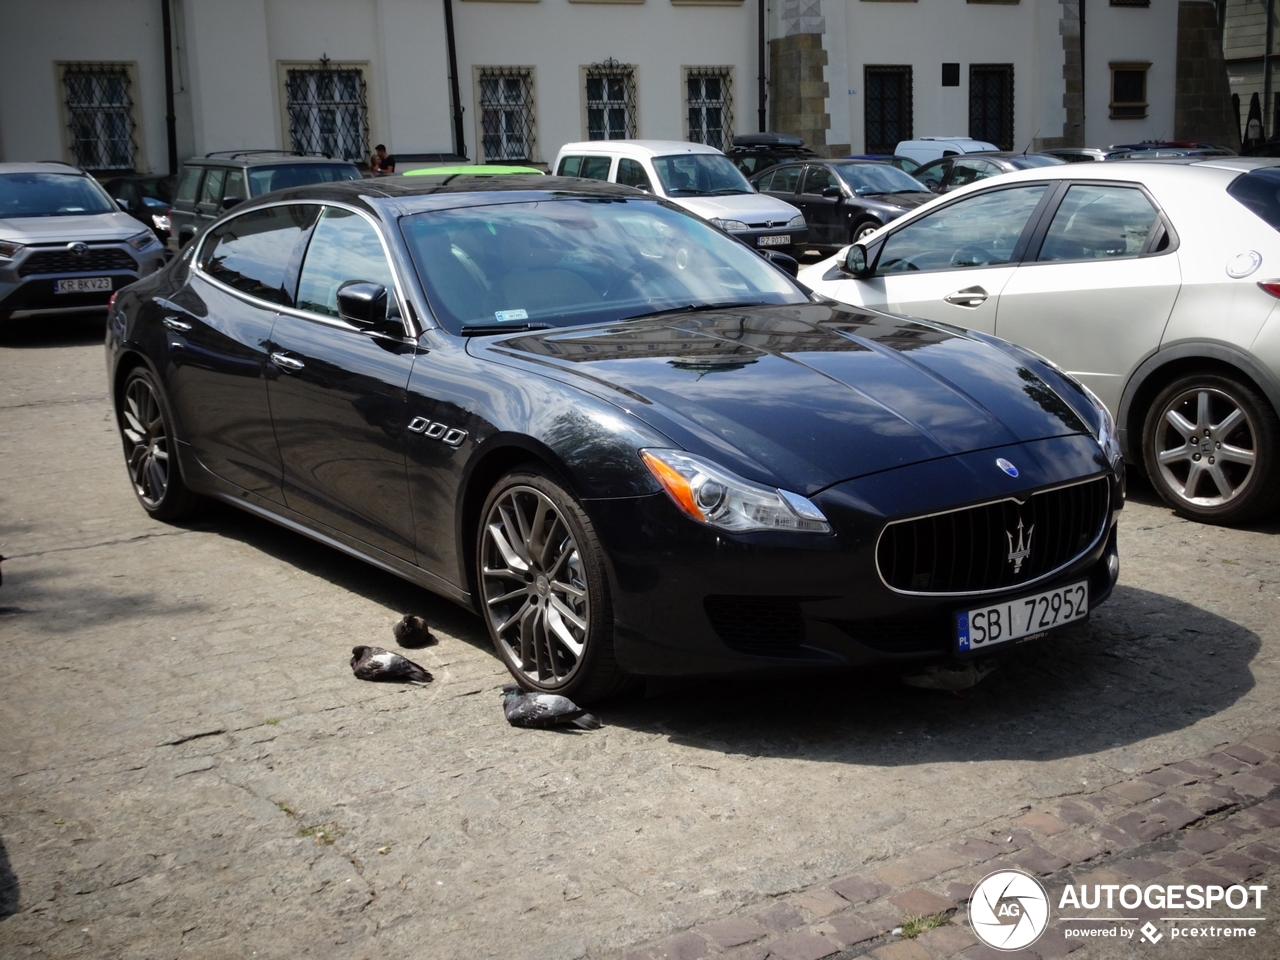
<point>9,249</point>
<point>729,226</point>
<point>1107,439</point>
<point>714,496</point>
<point>142,240</point>
<point>796,222</point>
<point>160,220</point>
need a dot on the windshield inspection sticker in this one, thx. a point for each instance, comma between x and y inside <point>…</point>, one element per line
<point>507,315</point>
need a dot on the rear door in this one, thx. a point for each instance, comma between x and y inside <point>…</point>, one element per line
<point>824,215</point>
<point>1094,295</point>
<point>182,218</point>
<point>211,194</point>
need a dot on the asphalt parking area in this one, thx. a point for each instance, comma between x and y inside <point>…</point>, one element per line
<point>191,770</point>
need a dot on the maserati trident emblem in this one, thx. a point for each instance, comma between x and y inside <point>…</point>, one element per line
<point>77,248</point>
<point>1007,467</point>
<point>1022,550</point>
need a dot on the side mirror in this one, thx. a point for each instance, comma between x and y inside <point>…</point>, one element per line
<point>855,262</point>
<point>784,261</point>
<point>229,202</point>
<point>122,204</point>
<point>832,190</point>
<point>363,303</point>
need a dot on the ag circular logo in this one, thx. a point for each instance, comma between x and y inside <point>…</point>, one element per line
<point>1009,910</point>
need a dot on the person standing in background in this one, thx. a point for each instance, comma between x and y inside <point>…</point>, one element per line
<point>382,164</point>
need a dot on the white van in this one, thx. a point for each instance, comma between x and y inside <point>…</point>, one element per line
<point>697,177</point>
<point>924,149</point>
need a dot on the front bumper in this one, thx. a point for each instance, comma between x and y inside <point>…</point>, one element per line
<point>689,600</point>
<point>781,238</point>
<point>27,289</point>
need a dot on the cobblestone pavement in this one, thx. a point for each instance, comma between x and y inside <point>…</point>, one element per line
<point>188,768</point>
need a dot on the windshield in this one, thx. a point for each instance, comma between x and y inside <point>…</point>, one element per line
<point>565,262</point>
<point>700,175</point>
<point>51,195</point>
<point>1025,161</point>
<point>280,177</point>
<point>878,178</point>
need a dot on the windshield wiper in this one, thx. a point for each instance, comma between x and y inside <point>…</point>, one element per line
<point>484,329</point>
<point>727,192</point>
<point>697,308</point>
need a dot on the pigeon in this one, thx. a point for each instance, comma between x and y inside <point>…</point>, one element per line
<point>950,676</point>
<point>411,631</point>
<point>543,710</point>
<point>374,663</point>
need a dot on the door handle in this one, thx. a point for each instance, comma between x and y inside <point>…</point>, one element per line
<point>286,362</point>
<point>969,297</point>
<point>173,323</point>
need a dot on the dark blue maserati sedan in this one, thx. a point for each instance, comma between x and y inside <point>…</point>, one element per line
<point>631,444</point>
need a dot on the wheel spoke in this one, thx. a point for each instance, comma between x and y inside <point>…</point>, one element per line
<point>536,541</point>
<point>1232,420</point>
<point>518,592</point>
<point>157,478</point>
<point>1202,411</point>
<point>1220,481</point>
<point>1236,454</point>
<point>1180,423</point>
<point>1174,455</point>
<point>556,620</point>
<point>555,603</point>
<point>1193,478</point>
<point>568,588</point>
<point>518,615</point>
<point>513,559</point>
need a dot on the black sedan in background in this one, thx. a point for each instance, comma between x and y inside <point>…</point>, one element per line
<point>843,200</point>
<point>627,441</point>
<point>944,175</point>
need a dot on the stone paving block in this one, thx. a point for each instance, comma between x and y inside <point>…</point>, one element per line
<point>686,946</point>
<point>1040,861</point>
<point>1204,877</point>
<point>851,929</point>
<point>752,951</point>
<point>1264,818</point>
<point>1238,866</point>
<point>920,903</point>
<point>1260,851</point>
<point>1249,785</point>
<point>733,931</point>
<point>820,903</point>
<point>946,940</point>
<point>1245,753</point>
<point>1075,848</point>
<point>903,873</point>
<point>802,946</point>
<point>1182,859</point>
<point>902,950</point>
<point>1140,869</point>
<point>1226,765</point>
<point>859,889</point>
<point>958,892</point>
<point>1269,740</point>
<point>1043,823</point>
<point>1237,826</point>
<point>975,850</point>
<point>980,951</point>
<point>1073,812</point>
<point>1142,828</point>
<point>1206,803</point>
<point>1201,771</point>
<point>1168,777</point>
<point>780,917</point>
<point>1173,813</point>
<point>639,955</point>
<point>1050,946</point>
<point>943,858</point>
<point>1135,791</point>
<point>1203,841</point>
<point>1269,772</point>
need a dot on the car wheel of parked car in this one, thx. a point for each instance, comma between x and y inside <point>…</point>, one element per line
<point>542,584</point>
<point>863,228</point>
<point>150,452</point>
<point>1210,448</point>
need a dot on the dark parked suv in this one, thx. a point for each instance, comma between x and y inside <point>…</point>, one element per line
<point>211,184</point>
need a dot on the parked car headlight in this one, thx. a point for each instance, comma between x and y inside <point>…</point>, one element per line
<point>714,496</point>
<point>161,221</point>
<point>9,249</point>
<point>142,240</point>
<point>729,226</point>
<point>1107,438</point>
<point>796,221</point>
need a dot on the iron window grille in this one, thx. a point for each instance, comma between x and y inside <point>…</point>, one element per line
<point>507,129</point>
<point>709,92</point>
<point>99,103</point>
<point>1129,91</point>
<point>888,116</point>
<point>328,111</point>
<point>611,101</point>
<point>1130,3</point>
<point>991,103</point>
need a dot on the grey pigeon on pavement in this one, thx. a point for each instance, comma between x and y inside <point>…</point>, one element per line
<point>374,663</point>
<point>543,710</point>
<point>411,631</point>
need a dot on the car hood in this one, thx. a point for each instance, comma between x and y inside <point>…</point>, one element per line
<point>906,201</point>
<point>803,396</point>
<point>97,226</point>
<point>747,207</point>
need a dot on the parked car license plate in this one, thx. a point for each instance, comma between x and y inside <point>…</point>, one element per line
<point>82,285</point>
<point>985,627</point>
<point>774,240</point>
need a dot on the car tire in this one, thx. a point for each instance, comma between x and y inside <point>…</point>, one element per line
<point>862,228</point>
<point>1229,473</point>
<point>150,449</point>
<point>543,590</point>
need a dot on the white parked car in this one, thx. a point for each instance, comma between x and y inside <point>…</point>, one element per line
<point>697,177</point>
<point>1153,282</point>
<point>924,149</point>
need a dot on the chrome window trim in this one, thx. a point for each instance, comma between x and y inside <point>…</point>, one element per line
<point>1102,529</point>
<point>407,318</point>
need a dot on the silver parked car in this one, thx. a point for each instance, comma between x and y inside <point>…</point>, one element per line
<point>1154,282</point>
<point>65,246</point>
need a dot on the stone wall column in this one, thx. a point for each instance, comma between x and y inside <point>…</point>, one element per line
<point>797,90</point>
<point>1202,93</point>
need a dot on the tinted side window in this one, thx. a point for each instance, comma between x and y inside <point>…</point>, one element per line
<point>252,252</point>
<point>818,179</point>
<point>212,191</point>
<point>234,186</point>
<point>631,174</point>
<point>932,174</point>
<point>785,180</point>
<point>976,232</point>
<point>763,183</point>
<point>344,246</point>
<point>1259,190</point>
<point>1099,222</point>
<point>188,184</point>
<point>590,168</point>
<point>968,171</point>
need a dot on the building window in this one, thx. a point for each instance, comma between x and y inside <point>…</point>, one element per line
<point>888,107</point>
<point>1129,91</point>
<point>611,101</point>
<point>328,111</point>
<point>99,103</point>
<point>991,103</point>
<point>506,113</point>
<point>709,92</point>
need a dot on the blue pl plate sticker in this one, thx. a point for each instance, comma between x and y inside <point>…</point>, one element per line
<point>962,629</point>
<point>505,315</point>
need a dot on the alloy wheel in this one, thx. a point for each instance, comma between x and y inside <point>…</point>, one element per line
<point>1206,447</point>
<point>146,442</point>
<point>534,587</point>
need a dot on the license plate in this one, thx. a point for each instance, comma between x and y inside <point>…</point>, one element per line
<point>985,627</point>
<point>774,240</point>
<point>82,285</point>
